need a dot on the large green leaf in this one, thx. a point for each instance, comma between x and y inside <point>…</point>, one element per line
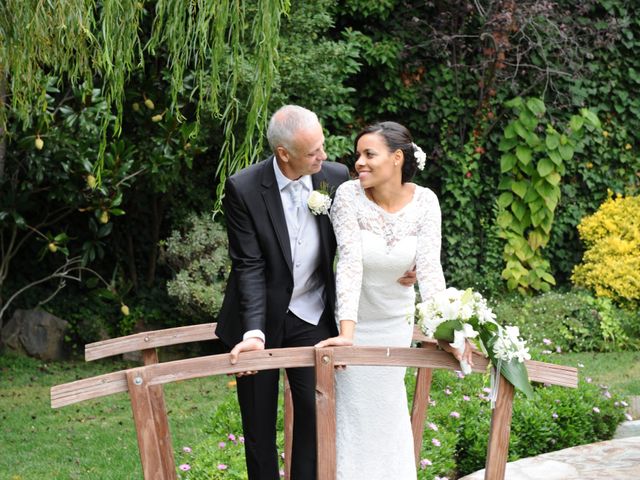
<point>552,141</point>
<point>566,151</point>
<point>507,162</point>
<point>536,106</point>
<point>519,188</point>
<point>524,154</point>
<point>505,199</point>
<point>545,167</point>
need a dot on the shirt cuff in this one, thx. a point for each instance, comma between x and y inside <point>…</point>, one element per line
<point>254,334</point>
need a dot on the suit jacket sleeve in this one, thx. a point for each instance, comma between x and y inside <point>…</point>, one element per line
<point>247,259</point>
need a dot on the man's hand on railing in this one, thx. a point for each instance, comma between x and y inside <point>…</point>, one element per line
<point>248,345</point>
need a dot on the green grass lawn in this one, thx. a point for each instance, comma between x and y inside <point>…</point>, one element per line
<point>96,439</point>
<point>90,440</point>
<point>620,371</point>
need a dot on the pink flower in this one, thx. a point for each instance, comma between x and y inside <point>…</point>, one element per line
<point>424,463</point>
<point>282,455</point>
<point>454,415</point>
<point>185,467</point>
<point>606,394</point>
<point>486,390</point>
<point>596,409</point>
<point>222,444</point>
<point>623,403</point>
<point>241,439</point>
<point>436,442</point>
<point>432,426</point>
<point>466,398</point>
<point>459,374</point>
<point>554,415</point>
<point>222,466</point>
<point>432,403</point>
<point>588,380</point>
<point>232,437</point>
<point>281,473</point>
<point>186,449</point>
<point>558,350</point>
<point>447,391</point>
<point>546,341</point>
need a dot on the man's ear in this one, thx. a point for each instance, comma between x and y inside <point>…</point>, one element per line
<point>283,154</point>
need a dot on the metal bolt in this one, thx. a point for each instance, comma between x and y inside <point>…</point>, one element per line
<point>137,380</point>
<point>325,359</point>
<point>146,339</point>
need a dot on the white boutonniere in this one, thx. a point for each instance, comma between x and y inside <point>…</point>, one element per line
<point>319,201</point>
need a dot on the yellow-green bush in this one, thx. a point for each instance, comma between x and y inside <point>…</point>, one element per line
<point>611,263</point>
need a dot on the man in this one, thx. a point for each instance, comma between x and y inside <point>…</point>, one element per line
<point>281,290</point>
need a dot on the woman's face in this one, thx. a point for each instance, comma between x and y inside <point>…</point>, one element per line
<point>375,163</point>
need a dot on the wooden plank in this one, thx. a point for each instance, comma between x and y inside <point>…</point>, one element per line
<point>552,374</point>
<point>420,406</point>
<point>146,340</point>
<point>498,448</point>
<point>159,412</point>
<point>148,436</point>
<point>293,357</point>
<point>88,388</point>
<point>288,428</point>
<point>326,413</point>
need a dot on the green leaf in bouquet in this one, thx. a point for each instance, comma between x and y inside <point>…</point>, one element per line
<point>516,374</point>
<point>445,330</point>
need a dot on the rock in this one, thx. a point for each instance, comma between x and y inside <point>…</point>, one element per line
<point>35,333</point>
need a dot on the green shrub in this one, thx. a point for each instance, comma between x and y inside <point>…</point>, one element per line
<point>611,264</point>
<point>198,255</point>
<point>457,428</point>
<point>570,322</point>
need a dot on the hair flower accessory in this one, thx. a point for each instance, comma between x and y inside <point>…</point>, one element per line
<point>421,157</point>
<point>319,201</point>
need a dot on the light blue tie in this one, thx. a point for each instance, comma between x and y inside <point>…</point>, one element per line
<point>295,191</point>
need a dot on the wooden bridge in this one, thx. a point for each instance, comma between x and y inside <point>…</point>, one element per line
<point>144,385</point>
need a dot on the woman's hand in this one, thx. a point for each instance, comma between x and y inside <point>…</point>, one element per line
<point>339,341</point>
<point>466,355</point>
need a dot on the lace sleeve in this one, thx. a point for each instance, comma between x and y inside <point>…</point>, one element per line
<point>349,267</point>
<point>428,266</point>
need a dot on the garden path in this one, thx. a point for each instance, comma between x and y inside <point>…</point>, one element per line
<point>616,459</point>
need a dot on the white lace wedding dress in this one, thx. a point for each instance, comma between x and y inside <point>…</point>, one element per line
<point>375,248</point>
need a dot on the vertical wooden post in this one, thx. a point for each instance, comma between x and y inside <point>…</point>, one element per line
<point>326,414</point>
<point>148,441</point>
<point>288,427</point>
<point>420,406</point>
<point>159,410</point>
<point>498,448</point>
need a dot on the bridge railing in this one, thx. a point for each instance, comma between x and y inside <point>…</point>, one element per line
<point>144,385</point>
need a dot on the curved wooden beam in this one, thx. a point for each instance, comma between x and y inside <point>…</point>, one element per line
<point>161,373</point>
<point>146,340</point>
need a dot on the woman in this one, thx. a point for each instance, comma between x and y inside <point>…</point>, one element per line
<point>384,225</point>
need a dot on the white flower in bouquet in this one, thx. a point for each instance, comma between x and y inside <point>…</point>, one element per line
<point>459,315</point>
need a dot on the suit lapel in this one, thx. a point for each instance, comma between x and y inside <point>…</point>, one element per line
<point>273,202</point>
<point>324,223</point>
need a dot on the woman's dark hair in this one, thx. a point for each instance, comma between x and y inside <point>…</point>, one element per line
<point>397,137</point>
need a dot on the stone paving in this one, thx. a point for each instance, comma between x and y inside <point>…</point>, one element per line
<point>617,459</point>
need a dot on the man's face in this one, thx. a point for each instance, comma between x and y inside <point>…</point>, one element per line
<point>306,154</point>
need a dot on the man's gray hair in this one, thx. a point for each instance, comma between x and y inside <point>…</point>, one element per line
<point>284,124</point>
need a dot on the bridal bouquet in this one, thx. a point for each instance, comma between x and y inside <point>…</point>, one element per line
<point>457,315</point>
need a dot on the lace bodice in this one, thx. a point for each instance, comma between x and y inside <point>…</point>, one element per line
<point>353,214</point>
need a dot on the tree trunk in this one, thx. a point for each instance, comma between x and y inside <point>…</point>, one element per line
<point>3,136</point>
<point>156,221</point>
